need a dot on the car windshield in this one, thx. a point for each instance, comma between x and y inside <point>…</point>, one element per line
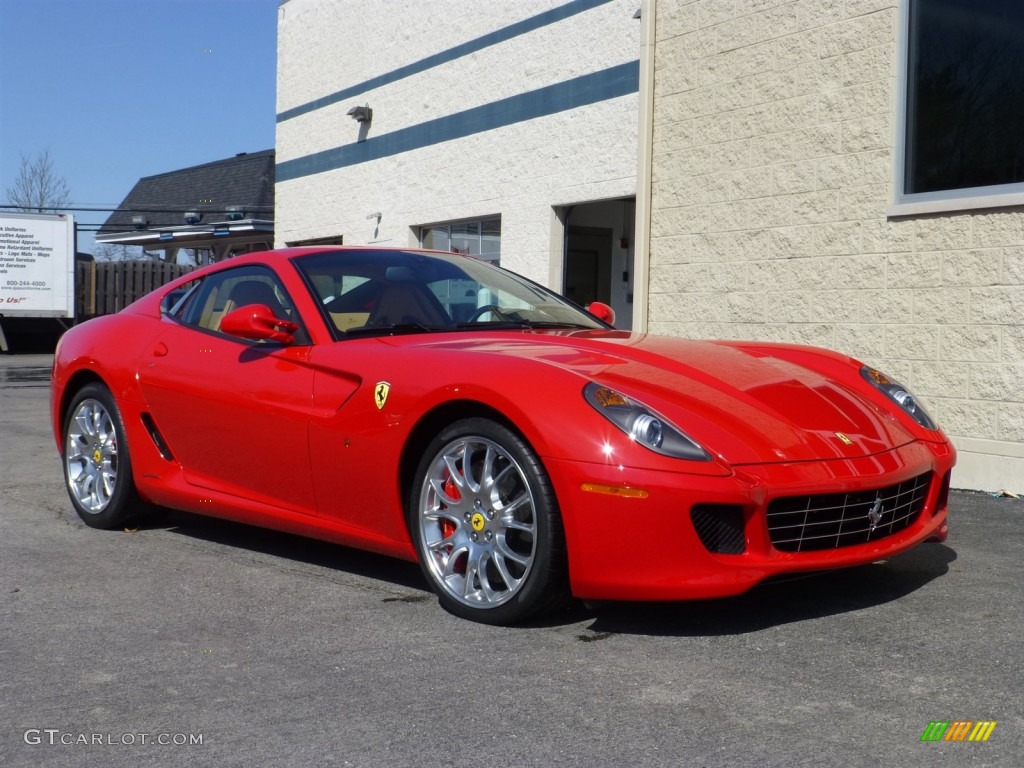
<point>367,291</point>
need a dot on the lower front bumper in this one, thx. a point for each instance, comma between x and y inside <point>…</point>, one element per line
<point>645,547</point>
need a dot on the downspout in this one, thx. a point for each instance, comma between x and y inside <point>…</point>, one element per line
<point>645,146</point>
<point>565,247</point>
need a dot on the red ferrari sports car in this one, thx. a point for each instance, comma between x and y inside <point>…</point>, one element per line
<point>433,407</point>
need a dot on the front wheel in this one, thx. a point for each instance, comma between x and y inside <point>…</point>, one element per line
<point>97,468</point>
<point>485,522</point>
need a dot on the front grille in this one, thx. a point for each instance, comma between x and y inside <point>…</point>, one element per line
<point>834,520</point>
<point>720,527</point>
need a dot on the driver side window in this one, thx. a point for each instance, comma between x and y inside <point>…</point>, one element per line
<point>220,293</point>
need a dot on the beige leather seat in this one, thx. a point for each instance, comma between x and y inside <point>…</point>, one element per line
<point>403,303</point>
<point>254,292</point>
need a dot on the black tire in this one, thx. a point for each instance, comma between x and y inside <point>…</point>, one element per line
<point>97,465</point>
<point>491,545</point>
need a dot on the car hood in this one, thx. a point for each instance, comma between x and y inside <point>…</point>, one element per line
<point>747,404</point>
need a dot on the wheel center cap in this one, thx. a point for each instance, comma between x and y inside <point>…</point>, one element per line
<point>478,522</point>
<point>97,456</point>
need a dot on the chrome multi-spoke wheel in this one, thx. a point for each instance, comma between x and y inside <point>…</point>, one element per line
<point>486,524</point>
<point>477,522</point>
<point>97,469</point>
<point>91,456</point>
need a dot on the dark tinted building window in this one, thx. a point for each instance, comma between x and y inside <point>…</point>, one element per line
<point>965,95</point>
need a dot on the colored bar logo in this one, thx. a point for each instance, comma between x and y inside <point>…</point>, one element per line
<point>958,730</point>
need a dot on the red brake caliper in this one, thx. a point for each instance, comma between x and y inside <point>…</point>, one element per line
<point>451,490</point>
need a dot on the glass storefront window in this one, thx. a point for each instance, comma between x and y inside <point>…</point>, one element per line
<point>480,238</point>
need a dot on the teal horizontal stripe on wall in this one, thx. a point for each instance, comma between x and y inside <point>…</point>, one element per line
<point>580,91</point>
<point>464,49</point>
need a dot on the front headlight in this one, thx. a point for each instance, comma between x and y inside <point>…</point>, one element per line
<point>643,425</point>
<point>899,395</point>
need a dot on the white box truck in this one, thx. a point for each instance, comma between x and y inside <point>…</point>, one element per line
<point>37,267</point>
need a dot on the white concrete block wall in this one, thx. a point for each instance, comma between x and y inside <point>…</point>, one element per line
<point>772,173</point>
<point>518,171</point>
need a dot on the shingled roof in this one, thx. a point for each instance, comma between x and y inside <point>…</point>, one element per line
<point>245,180</point>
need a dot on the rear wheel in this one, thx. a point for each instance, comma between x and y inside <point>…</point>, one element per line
<point>485,522</point>
<point>97,468</point>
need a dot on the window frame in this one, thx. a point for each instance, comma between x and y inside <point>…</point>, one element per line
<point>479,220</point>
<point>910,204</point>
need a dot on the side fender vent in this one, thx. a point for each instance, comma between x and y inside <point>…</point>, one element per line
<point>156,437</point>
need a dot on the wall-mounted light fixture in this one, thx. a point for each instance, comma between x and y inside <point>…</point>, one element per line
<point>193,217</point>
<point>139,222</point>
<point>361,114</point>
<point>376,226</point>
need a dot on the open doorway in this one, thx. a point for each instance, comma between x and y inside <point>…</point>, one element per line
<point>597,257</point>
<point>588,259</point>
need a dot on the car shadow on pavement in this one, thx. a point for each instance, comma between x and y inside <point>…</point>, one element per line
<point>795,598</point>
<point>774,603</point>
<point>295,549</point>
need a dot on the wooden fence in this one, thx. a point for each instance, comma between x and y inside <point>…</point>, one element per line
<point>105,287</point>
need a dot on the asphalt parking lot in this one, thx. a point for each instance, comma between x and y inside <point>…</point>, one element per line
<point>195,642</point>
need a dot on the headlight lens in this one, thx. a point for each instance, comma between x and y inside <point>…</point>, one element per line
<point>899,395</point>
<point>643,425</point>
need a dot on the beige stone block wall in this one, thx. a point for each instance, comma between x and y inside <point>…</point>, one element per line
<point>518,171</point>
<point>772,171</point>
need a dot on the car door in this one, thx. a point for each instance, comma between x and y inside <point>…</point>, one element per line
<point>234,413</point>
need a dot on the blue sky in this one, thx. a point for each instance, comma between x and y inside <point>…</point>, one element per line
<point>121,89</point>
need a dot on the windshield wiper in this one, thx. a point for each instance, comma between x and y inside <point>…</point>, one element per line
<point>503,324</point>
<point>394,328</point>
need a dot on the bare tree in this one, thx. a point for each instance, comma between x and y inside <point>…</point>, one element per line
<point>119,252</point>
<point>38,188</point>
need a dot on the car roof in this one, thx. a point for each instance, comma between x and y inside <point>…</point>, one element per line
<point>279,256</point>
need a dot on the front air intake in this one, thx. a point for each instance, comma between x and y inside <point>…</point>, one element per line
<point>836,520</point>
<point>720,528</point>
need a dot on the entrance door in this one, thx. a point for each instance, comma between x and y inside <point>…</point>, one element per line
<point>588,270</point>
<point>597,255</point>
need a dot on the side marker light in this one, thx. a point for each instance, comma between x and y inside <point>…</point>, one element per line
<point>615,490</point>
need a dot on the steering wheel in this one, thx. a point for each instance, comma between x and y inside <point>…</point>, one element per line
<point>481,311</point>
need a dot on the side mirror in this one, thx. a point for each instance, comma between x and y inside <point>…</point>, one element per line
<point>602,311</point>
<point>257,321</point>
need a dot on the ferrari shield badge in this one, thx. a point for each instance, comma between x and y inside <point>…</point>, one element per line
<point>380,394</point>
<point>843,438</point>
